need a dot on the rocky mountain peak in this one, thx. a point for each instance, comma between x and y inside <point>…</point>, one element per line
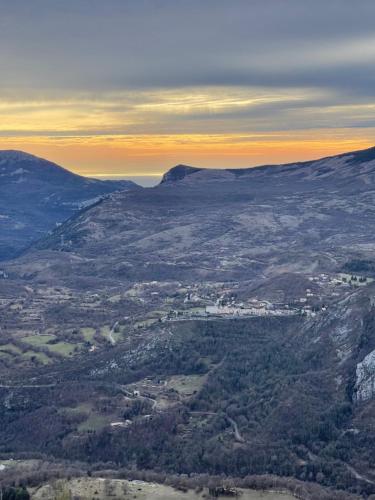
<point>178,173</point>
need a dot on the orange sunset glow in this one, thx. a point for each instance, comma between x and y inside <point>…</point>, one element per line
<point>106,156</point>
<point>110,95</point>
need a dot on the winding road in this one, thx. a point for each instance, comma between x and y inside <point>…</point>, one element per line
<point>111,332</point>
<point>237,433</point>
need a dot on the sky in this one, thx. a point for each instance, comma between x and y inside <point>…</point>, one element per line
<point>133,87</point>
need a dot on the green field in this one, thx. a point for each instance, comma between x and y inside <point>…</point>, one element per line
<point>62,348</point>
<point>186,385</point>
<point>88,334</point>
<point>38,340</point>
<point>93,421</point>
<point>14,353</point>
<point>39,356</point>
<point>10,348</point>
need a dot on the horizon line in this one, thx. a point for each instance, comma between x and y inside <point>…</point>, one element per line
<point>123,175</point>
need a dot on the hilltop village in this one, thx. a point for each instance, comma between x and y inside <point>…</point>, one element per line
<point>41,325</point>
<point>231,300</point>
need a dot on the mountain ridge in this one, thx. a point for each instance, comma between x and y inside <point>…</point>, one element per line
<point>35,194</point>
<point>263,207</point>
<point>180,172</point>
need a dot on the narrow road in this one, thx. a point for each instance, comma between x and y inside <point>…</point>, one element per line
<point>359,476</point>
<point>131,395</point>
<point>237,433</point>
<point>22,386</point>
<point>111,332</point>
<point>153,401</point>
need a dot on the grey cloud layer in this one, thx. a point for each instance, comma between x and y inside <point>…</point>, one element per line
<point>114,45</point>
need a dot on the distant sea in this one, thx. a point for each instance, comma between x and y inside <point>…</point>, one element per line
<point>145,180</point>
<point>142,180</point>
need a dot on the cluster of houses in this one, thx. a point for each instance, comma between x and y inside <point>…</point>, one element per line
<point>222,299</point>
<point>340,279</point>
<point>309,304</point>
<point>230,310</point>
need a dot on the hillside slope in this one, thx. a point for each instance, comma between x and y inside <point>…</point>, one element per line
<point>35,194</point>
<point>231,224</point>
<point>222,322</point>
<point>356,165</point>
